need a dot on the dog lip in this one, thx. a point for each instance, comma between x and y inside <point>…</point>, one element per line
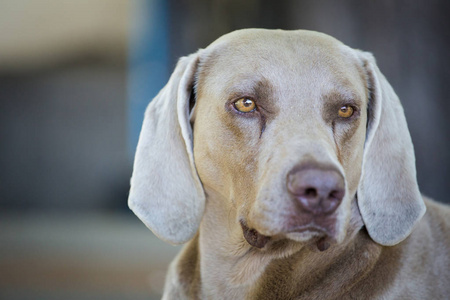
<point>325,224</point>
<point>312,228</point>
<point>253,237</point>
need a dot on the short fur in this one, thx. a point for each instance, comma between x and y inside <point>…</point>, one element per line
<point>200,174</point>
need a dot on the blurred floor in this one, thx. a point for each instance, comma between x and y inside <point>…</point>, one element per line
<point>80,256</point>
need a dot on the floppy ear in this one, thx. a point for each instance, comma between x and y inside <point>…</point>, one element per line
<point>166,193</point>
<point>388,195</point>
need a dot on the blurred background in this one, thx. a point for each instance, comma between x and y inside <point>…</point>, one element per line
<point>75,77</point>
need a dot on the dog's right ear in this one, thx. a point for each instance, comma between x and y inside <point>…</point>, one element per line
<point>388,194</point>
<point>166,193</point>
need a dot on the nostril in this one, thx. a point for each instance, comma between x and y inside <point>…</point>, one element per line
<point>332,201</point>
<point>311,192</point>
<point>335,195</point>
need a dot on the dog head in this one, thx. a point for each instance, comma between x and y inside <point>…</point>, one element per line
<point>279,131</point>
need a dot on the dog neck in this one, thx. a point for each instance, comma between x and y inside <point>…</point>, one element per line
<point>228,265</point>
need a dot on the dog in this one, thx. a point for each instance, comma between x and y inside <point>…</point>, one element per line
<point>283,160</point>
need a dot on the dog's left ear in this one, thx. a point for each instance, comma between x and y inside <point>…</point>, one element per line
<point>166,193</point>
<point>388,195</point>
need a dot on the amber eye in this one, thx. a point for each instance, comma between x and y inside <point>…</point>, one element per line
<point>245,105</point>
<point>345,111</point>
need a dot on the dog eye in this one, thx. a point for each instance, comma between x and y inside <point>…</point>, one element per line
<point>345,111</point>
<point>244,105</point>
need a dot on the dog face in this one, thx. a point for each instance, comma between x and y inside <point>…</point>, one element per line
<point>287,128</point>
<point>245,158</point>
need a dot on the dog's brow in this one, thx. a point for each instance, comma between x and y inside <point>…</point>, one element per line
<point>343,97</point>
<point>247,85</point>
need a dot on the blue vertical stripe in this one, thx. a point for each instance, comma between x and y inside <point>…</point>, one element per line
<point>148,60</point>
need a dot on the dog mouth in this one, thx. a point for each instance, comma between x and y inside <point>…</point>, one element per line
<point>320,237</point>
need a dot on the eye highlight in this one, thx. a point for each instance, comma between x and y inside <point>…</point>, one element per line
<point>346,111</point>
<point>244,105</point>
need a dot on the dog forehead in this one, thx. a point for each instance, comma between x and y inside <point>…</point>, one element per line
<point>274,38</point>
<point>255,47</point>
<point>289,60</point>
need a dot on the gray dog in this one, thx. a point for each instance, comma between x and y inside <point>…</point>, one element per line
<point>284,161</point>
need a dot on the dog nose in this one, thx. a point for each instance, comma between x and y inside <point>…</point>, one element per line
<point>317,191</point>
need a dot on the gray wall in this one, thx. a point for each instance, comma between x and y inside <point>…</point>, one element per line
<point>62,137</point>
